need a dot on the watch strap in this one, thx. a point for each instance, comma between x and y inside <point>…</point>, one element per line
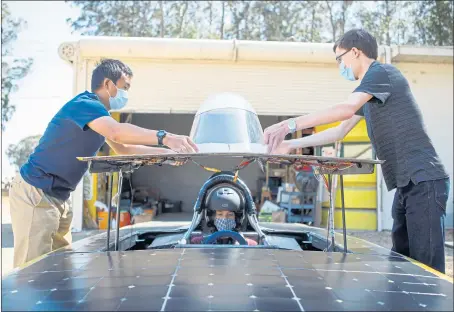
<point>161,135</point>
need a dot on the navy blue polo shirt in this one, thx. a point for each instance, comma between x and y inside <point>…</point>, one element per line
<point>53,166</point>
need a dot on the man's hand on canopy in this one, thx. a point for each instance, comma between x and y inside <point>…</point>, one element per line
<point>283,149</point>
<point>180,143</point>
<point>275,135</point>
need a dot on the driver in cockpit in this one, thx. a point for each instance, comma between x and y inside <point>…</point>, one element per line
<point>224,221</point>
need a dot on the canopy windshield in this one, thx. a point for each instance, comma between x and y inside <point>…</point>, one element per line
<point>228,126</point>
<point>227,122</point>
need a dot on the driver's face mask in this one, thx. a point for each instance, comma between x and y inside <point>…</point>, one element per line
<point>224,224</point>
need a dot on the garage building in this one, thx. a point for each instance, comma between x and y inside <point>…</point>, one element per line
<point>172,77</point>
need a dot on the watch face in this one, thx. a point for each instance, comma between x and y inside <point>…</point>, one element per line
<point>292,125</point>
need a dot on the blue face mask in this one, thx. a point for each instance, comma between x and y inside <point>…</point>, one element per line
<point>223,224</point>
<point>120,100</point>
<point>345,72</point>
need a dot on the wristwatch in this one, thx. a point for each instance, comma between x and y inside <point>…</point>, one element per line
<point>292,125</point>
<point>161,134</point>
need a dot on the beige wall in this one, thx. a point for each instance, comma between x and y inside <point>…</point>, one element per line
<point>432,86</point>
<point>272,89</point>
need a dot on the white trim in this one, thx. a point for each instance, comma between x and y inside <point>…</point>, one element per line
<point>421,54</point>
<point>379,177</point>
<point>77,203</point>
<point>233,50</point>
<point>202,49</point>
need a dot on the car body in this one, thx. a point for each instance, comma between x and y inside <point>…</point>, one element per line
<point>157,267</point>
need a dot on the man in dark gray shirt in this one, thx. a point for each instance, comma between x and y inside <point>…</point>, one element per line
<point>398,136</point>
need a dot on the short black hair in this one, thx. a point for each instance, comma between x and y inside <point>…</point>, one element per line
<point>110,69</point>
<point>360,39</point>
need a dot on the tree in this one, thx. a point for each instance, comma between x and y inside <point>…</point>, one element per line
<point>315,22</point>
<point>380,19</point>
<point>18,153</point>
<point>434,22</point>
<point>391,22</point>
<point>12,69</point>
<point>246,20</point>
<point>279,19</point>
<point>338,13</point>
<point>136,18</point>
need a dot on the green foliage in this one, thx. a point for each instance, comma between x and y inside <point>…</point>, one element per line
<point>18,153</point>
<point>434,25</point>
<point>338,13</point>
<point>12,70</point>
<point>392,22</point>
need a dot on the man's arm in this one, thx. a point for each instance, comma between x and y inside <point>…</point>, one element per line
<point>340,112</point>
<point>275,134</point>
<point>124,133</point>
<point>124,149</point>
<point>325,137</point>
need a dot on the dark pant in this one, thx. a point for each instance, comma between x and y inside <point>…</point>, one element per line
<point>418,231</point>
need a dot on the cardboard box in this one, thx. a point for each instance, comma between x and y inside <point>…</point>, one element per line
<point>265,217</point>
<point>142,218</point>
<point>275,216</point>
<point>278,216</point>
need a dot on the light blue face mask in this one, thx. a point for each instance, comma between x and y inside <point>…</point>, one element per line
<point>223,224</point>
<point>345,72</point>
<point>120,100</point>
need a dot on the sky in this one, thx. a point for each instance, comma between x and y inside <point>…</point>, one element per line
<point>49,84</point>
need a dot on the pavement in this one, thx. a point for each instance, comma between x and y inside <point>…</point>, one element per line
<point>174,217</point>
<point>384,239</point>
<point>7,238</point>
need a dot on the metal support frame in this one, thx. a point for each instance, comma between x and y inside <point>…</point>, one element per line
<point>109,206</point>
<point>332,187</point>
<point>344,224</point>
<point>331,211</point>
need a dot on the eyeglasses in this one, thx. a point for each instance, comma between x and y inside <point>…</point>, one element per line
<point>338,58</point>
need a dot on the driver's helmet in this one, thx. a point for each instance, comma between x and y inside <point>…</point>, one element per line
<point>222,201</point>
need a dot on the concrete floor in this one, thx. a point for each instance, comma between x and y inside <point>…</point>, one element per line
<point>7,238</point>
<point>384,239</point>
<point>176,217</point>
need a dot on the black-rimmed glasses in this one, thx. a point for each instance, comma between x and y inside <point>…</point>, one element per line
<point>338,58</point>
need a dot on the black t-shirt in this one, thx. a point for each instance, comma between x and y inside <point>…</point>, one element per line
<point>396,128</point>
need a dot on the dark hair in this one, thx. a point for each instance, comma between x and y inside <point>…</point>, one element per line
<point>360,39</point>
<point>110,69</point>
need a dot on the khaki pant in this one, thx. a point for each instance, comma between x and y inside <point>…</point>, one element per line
<point>40,223</point>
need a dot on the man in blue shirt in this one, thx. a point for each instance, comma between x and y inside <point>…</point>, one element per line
<point>39,196</point>
<point>396,130</point>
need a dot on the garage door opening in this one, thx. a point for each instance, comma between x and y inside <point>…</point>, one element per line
<point>176,188</point>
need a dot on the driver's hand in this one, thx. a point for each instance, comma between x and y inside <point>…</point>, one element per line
<point>180,143</point>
